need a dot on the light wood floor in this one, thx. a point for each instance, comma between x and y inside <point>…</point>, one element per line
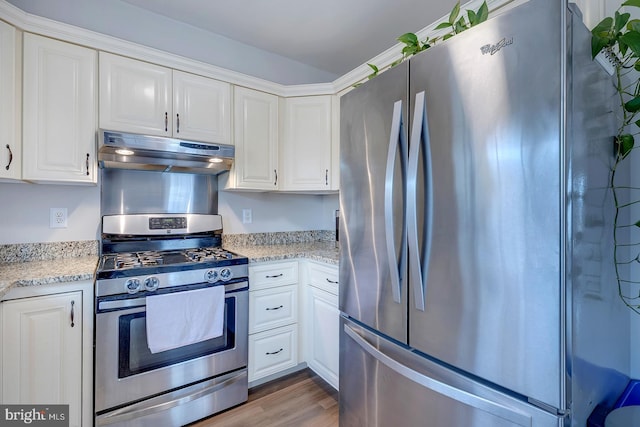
<point>301,399</point>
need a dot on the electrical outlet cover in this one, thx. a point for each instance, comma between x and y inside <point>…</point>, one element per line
<point>58,218</point>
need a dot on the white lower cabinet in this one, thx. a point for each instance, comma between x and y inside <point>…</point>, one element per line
<point>322,321</point>
<point>281,306</point>
<point>46,356</point>
<point>273,318</point>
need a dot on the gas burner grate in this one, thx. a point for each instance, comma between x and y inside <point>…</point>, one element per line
<point>138,259</point>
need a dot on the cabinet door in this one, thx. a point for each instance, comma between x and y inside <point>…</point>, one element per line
<point>256,140</point>
<point>323,334</point>
<point>306,144</point>
<point>59,121</point>
<point>42,352</point>
<point>201,108</point>
<point>135,96</point>
<point>10,141</point>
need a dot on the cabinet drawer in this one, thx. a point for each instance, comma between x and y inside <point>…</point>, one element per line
<point>273,307</point>
<point>272,351</point>
<point>324,276</point>
<point>270,275</point>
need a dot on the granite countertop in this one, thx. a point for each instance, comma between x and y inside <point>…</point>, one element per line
<point>322,251</point>
<point>43,272</point>
<point>77,265</point>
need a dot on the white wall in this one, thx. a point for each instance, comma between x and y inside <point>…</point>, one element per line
<point>593,12</point>
<point>275,211</point>
<point>24,212</point>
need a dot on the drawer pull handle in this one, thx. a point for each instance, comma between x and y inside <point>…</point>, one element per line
<point>274,276</point>
<point>331,281</point>
<point>274,308</point>
<point>274,352</point>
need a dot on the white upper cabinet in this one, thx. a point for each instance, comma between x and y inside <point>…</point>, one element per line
<point>10,140</point>
<point>201,108</point>
<point>256,139</point>
<point>306,148</point>
<point>144,98</point>
<point>135,96</point>
<point>59,111</point>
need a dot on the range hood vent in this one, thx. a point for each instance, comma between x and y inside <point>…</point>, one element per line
<point>154,153</point>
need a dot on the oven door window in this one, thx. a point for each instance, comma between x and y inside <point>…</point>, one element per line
<point>134,354</point>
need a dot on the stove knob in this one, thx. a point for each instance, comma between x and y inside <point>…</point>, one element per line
<point>132,285</point>
<point>225,274</point>
<point>211,276</point>
<point>151,283</point>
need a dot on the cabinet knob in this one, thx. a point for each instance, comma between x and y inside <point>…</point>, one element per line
<point>166,121</point>
<point>87,164</point>
<point>177,123</point>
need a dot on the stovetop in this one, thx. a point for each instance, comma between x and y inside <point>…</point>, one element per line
<point>129,264</point>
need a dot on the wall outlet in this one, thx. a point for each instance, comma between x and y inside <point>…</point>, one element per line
<point>58,218</point>
<point>246,216</point>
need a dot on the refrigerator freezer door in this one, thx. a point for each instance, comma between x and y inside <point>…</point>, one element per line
<point>373,157</point>
<point>383,384</point>
<point>490,230</point>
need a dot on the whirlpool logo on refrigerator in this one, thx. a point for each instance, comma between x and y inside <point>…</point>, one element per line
<point>34,415</point>
<point>492,49</point>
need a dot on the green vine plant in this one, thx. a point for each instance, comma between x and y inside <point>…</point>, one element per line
<point>618,39</point>
<point>455,24</point>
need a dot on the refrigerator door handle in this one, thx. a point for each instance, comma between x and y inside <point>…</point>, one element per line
<point>467,398</point>
<point>397,144</point>
<point>420,141</point>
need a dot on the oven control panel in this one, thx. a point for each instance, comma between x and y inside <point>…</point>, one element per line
<point>215,274</point>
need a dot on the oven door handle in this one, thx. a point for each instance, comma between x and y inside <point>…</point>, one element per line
<point>119,304</point>
<point>142,409</point>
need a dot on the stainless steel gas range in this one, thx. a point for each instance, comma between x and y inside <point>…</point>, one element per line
<point>146,257</point>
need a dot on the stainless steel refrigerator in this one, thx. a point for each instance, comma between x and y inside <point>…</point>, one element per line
<point>477,282</point>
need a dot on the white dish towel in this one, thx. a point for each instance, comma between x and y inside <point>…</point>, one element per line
<point>182,318</point>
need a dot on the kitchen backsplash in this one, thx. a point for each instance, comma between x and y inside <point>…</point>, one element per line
<point>277,238</point>
<point>22,252</point>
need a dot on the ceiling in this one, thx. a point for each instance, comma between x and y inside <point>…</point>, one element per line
<point>331,35</point>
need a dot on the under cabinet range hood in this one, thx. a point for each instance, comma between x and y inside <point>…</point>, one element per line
<point>155,153</point>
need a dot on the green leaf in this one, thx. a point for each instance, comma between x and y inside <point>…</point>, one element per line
<point>625,144</point>
<point>447,36</point>
<point>637,122</point>
<point>634,25</point>
<point>410,39</point>
<point>633,105</point>
<point>631,39</point>
<point>454,13</point>
<point>597,44</point>
<point>603,29</point>
<point>483,13</point>
<point>621,20</point>
<point>374,68</point>
<point>637,224</point>
<point>461,25</point>
<point>635,3</point>
<point>472,17</point>
<point>443,25</point>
